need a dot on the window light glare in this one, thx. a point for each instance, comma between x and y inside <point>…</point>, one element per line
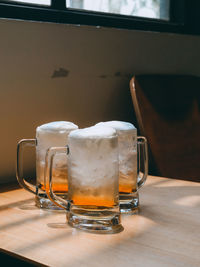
<point>37,2</point>
<point>140,8</point>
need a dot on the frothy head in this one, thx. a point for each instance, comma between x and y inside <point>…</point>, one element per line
<point>93,157</point>
<point>119,126</point>
<point>57,126</point>
<point>53,134</point>
<point>94,132</point>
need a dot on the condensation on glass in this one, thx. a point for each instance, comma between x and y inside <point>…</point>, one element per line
<point>157,9</point>
<point>93,180</point>
<point>37,2</point>
<point>133,164</point>
<point>47,135</point>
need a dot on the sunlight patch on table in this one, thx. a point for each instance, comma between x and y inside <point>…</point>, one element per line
<point>188,201</point>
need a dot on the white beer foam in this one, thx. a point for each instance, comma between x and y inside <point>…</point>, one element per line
<point>53,134</point>
<point>94,132</point>
<point>57,126</point>
<point>119,126</point>
<point>93,154</point>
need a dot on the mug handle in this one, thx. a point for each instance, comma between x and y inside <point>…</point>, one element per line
<point>142,153</point>
<point>19,170</point>
<point>50,154</point>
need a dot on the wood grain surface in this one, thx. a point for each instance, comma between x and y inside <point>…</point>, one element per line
<point>166,232</point>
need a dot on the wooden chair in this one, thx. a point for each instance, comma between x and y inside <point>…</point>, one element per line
<point>167,109</point>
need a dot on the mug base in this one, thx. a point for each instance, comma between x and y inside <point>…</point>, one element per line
<point>42,202</point>
<point>95,221</point>
<point>129,203</point>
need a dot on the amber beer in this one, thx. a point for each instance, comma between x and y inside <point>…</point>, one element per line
<point>59,181</point>
<point>57,188</point>
<point>104,196</point>
<point>127,183</point>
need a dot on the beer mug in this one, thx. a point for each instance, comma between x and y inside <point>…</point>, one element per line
<point>93,176</point>
<point>133,157</point>
<point>47,135</point>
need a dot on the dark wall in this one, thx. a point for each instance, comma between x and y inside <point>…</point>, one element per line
<point>77,73</point>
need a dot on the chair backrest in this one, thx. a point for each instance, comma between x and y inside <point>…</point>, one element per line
<point>168,115</point>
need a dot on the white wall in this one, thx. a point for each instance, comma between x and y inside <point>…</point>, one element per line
<point>100,63</point>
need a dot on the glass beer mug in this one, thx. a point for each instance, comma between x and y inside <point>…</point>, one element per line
<point>133,156</point>
<point>47,135</point>
<point>93,176</point>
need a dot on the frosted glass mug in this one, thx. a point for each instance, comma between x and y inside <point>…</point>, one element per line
<point>93,180</point>
<point>133,164</point>
<point>47,135</point>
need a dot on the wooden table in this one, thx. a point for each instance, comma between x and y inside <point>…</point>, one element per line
<point>165,233</point>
